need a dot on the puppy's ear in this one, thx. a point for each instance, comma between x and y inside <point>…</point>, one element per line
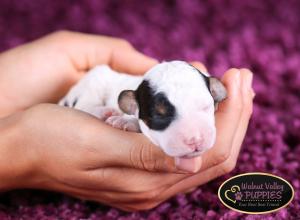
<point>217,89</point>
<point>127,102</point>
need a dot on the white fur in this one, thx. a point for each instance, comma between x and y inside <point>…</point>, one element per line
<point>97,93</point>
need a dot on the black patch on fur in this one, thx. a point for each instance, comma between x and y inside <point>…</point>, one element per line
<point>74,102</point>
<point>66,104</point>
<point>154,109</point>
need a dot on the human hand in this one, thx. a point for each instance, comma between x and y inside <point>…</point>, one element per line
<point>50,85</point>
<point>45,69</point>
<point>61,149</point>
<point>88,165</point>
<point>41,164</point>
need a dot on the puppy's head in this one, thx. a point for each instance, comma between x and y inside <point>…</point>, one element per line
<point>175,104</point>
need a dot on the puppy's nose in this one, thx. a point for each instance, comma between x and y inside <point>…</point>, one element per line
<point>194,143</point>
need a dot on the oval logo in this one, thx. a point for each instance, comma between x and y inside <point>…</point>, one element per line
<point>256,193</point>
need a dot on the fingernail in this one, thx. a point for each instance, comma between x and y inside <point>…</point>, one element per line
<point>190,165</point>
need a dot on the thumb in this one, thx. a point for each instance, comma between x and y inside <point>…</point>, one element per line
<point>145,155</point>
<point>131,61</point>
<point>134,150</point>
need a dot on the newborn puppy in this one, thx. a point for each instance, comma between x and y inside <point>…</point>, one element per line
<point>173,104</point>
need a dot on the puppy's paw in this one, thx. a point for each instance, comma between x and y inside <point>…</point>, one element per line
<point>103,113</point>
<point>124,122</point>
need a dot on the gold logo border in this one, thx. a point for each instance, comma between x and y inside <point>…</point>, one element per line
<point>257,173</point>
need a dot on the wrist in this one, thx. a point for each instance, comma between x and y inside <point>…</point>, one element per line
<point>15,162</point>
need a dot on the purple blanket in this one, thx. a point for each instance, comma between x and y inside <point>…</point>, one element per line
<point>261,35</point>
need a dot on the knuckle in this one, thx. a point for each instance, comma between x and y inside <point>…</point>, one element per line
<point>148,161</point>
<point>154,159</point>
<point>123,43</point>
<point>62,34</point>
<point>222,156</point>
<point>245,71</point>
<point>233,70</point>
<point>152,194</point>
<point>140,207</point>
<point>228,166</point>
<point>134,156</point>
<point>229,73</point>
<point>61,38</point>
<point>141,157</point>
<point>147,206</point>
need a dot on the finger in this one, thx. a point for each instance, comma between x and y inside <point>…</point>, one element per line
<point>122,200</point>
<point>114,197</point>
<point>191,165</point>
<point>137,206</point>
<point>124,180</point>
<point>227,119</point>
<point>189,190</point>
<point>100,194</point>
<point>247,100</point>
<point>200,66</point>
<point>131,61</point>
<point>248,96</point>
<point>128,149</point>
<point>86,51</point>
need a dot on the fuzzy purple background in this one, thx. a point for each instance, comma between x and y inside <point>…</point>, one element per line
<point>261,35</point>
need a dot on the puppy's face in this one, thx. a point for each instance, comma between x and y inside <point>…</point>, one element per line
<point>175,104</point>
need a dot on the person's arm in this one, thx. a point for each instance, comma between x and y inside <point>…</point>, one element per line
<point>15,162</point>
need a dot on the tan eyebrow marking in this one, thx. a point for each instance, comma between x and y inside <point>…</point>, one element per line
<point>161,108</point>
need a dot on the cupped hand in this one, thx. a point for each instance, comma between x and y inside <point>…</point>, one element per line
<point>44,70</point>
<point>55,148</point>
<point>69,151</point>
<point>66,150</point>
